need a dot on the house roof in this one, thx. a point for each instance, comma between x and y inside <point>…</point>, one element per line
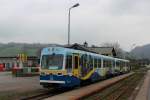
<point>79,47</point>
<point>102,50</point>
<point>99,50</point>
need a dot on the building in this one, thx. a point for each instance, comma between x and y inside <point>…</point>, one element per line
<point>107,51</point>
<point>9,57</point>
<point>9,62</point>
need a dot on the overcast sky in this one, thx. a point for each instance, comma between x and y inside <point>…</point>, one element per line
<point>95,21</point>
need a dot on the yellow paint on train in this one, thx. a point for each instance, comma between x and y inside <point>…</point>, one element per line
<point>88,75</point>
<point>46,71</point>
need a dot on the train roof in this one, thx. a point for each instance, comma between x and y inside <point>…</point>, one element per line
<point>63,50</point>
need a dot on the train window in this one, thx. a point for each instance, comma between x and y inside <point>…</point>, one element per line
<point>83,60</point>
<point>91,62</point>
<point>114,63</point>
<point>84,63</point>
<point>123,64</point>
<point>120,64</point>
<point>104,63</point>
<point>69,62</point>
<point>99,63</point>
<point>95,63</point>
<point>107,63</point>
<point>52,62</point>
<point>117,64</point>
<point>76,62</point>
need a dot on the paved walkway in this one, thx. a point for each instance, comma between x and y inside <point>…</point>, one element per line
<point>144,93</point>
<point>18,84</point>
<point>149,89</point>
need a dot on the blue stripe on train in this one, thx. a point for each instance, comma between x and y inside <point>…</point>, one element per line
<point>70,81</point>
<point>95,76</point>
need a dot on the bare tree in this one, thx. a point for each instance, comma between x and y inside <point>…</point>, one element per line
<point>119,51</point>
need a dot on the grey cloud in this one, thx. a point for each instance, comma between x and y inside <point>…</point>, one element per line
<point>95,21</point>
<point>131,7</point>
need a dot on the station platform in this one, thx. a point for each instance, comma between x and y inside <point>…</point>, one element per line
<point>87,90</point>
<point>144,92</point>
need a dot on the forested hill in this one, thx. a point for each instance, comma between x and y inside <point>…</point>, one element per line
<point>142,51</point>
<point>13,49</point>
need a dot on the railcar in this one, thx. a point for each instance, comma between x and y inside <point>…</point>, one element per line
<point>64,67</point>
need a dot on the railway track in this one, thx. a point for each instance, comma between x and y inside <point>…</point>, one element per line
<point>126,89</point>
<point>38,96</point>
<point>46,94</point>
<point>120,90</point>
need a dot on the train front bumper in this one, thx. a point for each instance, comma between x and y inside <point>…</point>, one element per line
<point>64,80</point>
<point>52,81</point>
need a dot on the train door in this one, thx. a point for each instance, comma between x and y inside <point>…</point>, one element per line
<point>75,70</point>
<point>69,64</point>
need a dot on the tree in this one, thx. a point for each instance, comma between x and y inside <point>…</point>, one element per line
<point>119,51</point>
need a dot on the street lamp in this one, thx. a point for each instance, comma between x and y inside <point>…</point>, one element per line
<point>76,5</point>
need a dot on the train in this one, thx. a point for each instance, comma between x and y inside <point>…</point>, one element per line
<point>66,67</point>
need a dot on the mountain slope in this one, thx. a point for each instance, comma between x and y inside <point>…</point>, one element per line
<point>13,49</point>
<point>142,51</point>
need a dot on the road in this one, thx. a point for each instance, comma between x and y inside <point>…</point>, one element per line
<point>20,84</point>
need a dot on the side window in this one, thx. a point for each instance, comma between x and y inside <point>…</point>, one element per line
<point>84,63</point>
<point>99,63</point>
<point>109,63</point>
<point>68,62</point>
<point>114,64</point>
<point>76,61</point>
<point>117,64</point>
<point>81,61</point>
<point>95,63</point>
<point>91,62</point>
<point>104,63</point>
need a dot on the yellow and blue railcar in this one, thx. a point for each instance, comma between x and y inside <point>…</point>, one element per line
<point>66,67</point>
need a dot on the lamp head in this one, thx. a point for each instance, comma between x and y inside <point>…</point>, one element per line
<point>76,5</point>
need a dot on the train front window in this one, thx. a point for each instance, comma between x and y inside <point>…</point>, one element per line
<point>52,62</point>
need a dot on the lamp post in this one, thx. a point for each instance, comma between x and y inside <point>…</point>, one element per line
<point>76,5</point>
